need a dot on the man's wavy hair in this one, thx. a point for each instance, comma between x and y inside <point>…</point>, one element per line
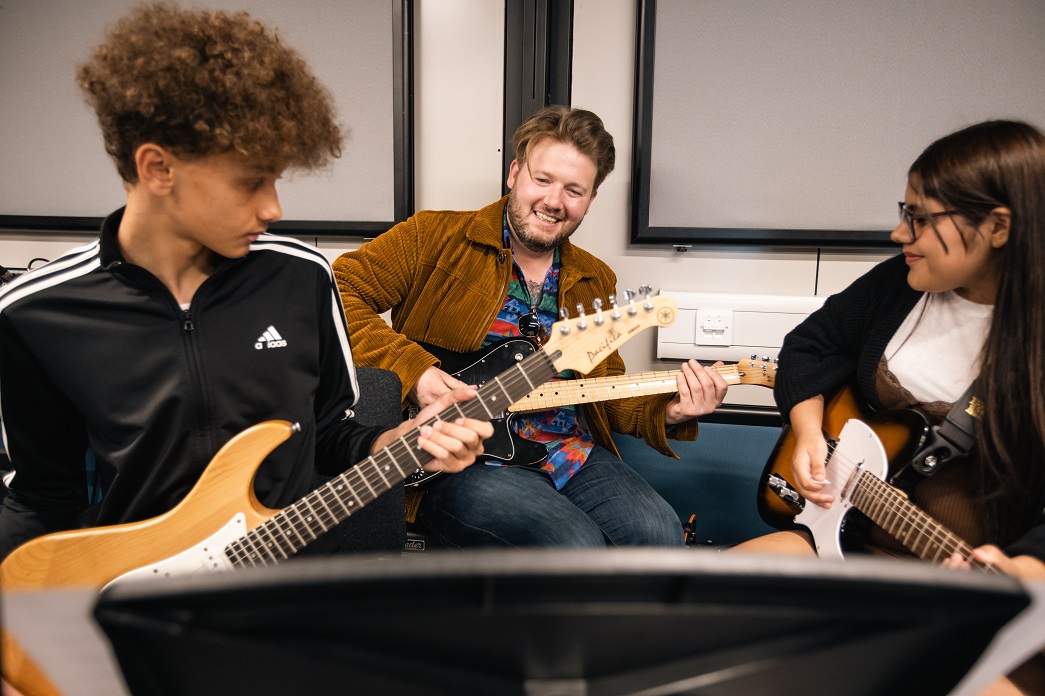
<point>577,127</point>
<point>200,83</point>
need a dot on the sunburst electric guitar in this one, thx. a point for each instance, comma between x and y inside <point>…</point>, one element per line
<point>861,444</point>
<point>220,525</point>
<point>507,446</point>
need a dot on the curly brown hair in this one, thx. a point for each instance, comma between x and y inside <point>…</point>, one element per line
<point>201,82</point>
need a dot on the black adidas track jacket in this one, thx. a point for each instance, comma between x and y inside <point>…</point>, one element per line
<point>96,354</point>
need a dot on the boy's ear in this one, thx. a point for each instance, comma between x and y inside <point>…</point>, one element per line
<point>154,168</point>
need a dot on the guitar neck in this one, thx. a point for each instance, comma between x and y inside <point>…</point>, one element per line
<point>582,391</point>
<point>892,511</point>
<point>297,525</point>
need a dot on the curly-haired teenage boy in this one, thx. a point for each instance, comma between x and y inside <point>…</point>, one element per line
<point>143,348</point>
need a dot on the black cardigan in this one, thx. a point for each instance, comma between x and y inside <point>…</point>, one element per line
<point>847,337</point>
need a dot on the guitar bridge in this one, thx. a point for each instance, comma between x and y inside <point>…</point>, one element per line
<point>791,497</point>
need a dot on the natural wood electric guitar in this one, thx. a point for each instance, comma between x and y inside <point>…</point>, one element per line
<point>220,525</point>
<point>507,446</point>
<point>861,445</point>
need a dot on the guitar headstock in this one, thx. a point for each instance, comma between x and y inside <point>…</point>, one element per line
<point>584,341</point>
<point>757,371</point>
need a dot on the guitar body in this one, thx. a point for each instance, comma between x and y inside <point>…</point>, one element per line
<point>858,451</point>
<point>220,508</point>
<point>221,504</point>
<point>862,440</point>
<point>478,367</point>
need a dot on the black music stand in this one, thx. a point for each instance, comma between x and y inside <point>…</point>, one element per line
<point>538,623</point>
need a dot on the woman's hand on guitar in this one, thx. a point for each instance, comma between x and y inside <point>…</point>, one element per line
<point>432,384</point>
<point>809,469</point>
<point>453,445</point>
<point>1022,567</point>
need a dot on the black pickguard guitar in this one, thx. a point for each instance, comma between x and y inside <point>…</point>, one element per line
<point>507,446</point>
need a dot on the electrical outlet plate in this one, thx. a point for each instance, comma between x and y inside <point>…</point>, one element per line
<point>714,327</point>
<point>731,327</point>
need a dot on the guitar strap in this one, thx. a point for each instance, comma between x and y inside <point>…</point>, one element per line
<point>951,439</point>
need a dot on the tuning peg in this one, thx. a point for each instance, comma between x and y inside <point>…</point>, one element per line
<point>597,304</point>
<point>581,323</point>
<point>646,290</point>
<point>629,295</point>
<point>564,314</point>
<point>615,314</point>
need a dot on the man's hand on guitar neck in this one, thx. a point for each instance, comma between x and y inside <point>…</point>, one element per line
<point>453,445</point>
<point>701,391</point>
<point>432,384</point>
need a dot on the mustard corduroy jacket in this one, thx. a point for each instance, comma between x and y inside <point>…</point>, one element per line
<point>444,275</point>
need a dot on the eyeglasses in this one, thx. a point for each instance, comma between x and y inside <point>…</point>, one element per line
<point>530,324</point>
<point>909,219</point>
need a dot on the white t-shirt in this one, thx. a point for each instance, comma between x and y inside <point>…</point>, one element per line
<point>935,354</point>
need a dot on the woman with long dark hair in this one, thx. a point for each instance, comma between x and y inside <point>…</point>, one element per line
<point>963,305</point>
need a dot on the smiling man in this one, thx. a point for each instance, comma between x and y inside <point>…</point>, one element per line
<point>465,281</point>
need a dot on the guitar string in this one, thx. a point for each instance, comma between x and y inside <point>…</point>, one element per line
<point>929,528</point>
<point>291,521</point>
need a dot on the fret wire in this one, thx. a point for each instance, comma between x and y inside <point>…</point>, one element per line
<point>288,529</point>
<point>301,518</point>
<point>248,557</point>
<point>390,454</point>
<point>234,553</point>
<point>253,551</point>
<point>272,543</point>
<point>355,473</point>
<point>332,486</point>
<point>342,479</point>
<point>375,479</point>
<point>370,465</point>
<point>250,543</point>
<point>411,451</point>
<point>931,530</point>
<point>331,518</point>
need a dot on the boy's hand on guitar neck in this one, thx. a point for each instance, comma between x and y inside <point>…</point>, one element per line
<point>453,445</point>
<point>432,384</point>
<point>808,462</point>
<point>701,391</point>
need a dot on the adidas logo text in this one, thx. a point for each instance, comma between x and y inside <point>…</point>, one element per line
<point>270,339</point>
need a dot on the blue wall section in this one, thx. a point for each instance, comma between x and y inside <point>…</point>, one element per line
<point>717,478</point>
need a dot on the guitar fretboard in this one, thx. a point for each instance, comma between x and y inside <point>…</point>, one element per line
<point>583,391</point>
<point>890,510</point>
<point>299,524</point>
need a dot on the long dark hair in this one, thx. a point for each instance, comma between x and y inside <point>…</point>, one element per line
<point>976,170</point>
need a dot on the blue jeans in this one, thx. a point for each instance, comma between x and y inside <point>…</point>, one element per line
<point>604,504</point>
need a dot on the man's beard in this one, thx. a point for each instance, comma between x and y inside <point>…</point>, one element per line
<point>533,243</point>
